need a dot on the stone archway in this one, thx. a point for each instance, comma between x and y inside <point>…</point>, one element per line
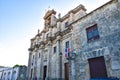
<point>95,54</point>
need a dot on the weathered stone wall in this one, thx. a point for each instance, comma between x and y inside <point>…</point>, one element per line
<point>22,73</point>
<point>7,73</point>
<point>107,19</point>
<point>0,75</point>
<point>16,73</point>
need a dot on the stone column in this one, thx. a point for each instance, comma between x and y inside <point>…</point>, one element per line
<point>41,62</point>
<point>58,57</point>
<point>29,66</point>
<point>35,64</point>
<point>73,73</point>
<point>58,68</point>
<point>49,61</point>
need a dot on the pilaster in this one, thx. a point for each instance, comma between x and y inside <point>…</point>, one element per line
<point>58,65</point>
<point>49,61</point>
<point>71,17</point>
<point>72,65</point>
<point>29,66</point>
<point>35,64</point>
<point>41,62</point>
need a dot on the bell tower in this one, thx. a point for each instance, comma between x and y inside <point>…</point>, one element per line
<point>49,18</point>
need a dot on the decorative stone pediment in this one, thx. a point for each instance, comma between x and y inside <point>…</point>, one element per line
<point>49,13</point>
<point>96,53</point>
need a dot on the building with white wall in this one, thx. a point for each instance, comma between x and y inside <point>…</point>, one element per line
<point>17,73</point>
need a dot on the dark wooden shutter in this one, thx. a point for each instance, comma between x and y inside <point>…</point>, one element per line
<point>66,71</point>
<point>97,67</point>
<point>44,72</point>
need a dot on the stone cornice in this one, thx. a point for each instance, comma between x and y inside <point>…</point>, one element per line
<point>99,8</point>
<point>59,33</point>
<point>51,38</point>
<point>75,10</point>
<point>59,20</point>
<point>66,31</point>
<point>30,49</point>
<point>78,8</point>
<point>37,46</point>
<point>39,34</point>
<point>43,31</point>
<point>33,39</point>
<point>52,26</point>
<point>65,17</point>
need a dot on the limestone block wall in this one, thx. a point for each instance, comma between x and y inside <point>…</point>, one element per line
<point>53,61</point>
<point>107,19</point>
<point>79,14</point>
<point>63,24</point>
<point>53,66</point>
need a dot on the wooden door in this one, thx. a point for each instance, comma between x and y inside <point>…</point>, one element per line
<point>31,74</point>
<point>44,72</point>
<point>66,71</point>
<point>97,67</point>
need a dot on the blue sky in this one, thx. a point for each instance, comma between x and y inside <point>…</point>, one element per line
<point>20,20</point>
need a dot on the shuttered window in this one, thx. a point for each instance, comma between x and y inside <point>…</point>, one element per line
<point>67,44</point>
<point>55,49</point>
<point>92,33</point>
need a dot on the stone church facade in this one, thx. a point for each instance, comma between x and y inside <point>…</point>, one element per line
<point>93,41</point>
